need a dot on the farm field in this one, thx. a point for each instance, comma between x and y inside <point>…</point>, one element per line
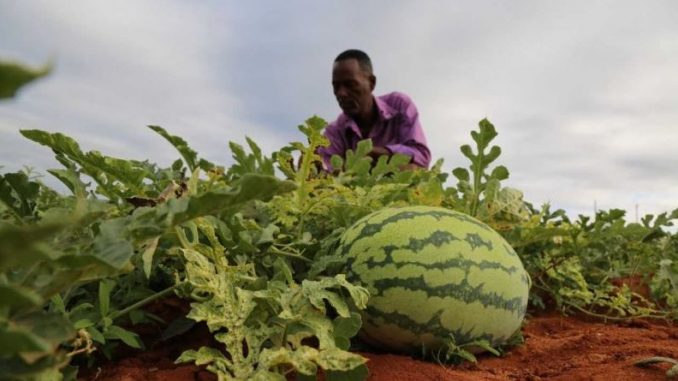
<point>202,271</point>
<point>556,348</point>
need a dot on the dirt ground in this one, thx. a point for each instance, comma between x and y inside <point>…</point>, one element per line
<point>556,348</point>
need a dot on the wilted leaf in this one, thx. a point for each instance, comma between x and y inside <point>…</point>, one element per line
<point>147,256</point>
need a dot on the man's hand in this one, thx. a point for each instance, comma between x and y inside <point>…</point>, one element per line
<point>410,167</point>
<point>379,151</point>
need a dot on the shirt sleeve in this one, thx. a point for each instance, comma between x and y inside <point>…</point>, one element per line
<point>412,141</point>
<point>336,147</point>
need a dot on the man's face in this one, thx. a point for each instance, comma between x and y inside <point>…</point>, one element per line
<point>353,87</point>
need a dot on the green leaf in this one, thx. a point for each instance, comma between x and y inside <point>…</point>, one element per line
<point>14,75</point>
<point>461,174</point>
<point>46,368</point>
<point>105,287</point>
<point>57,302</point>
<point>491,156</point>
<point>83,323</point>
<point>18,297</point>
<point>359,294</point>
<point>57,141</point>
<point>17,341</point>
<point>19,194</point>
<point>357,161</point>
<point>96,335</point>
<point>347,326</point>
<point>500,173</point>
<point>35,335</point>
<point>358,373</point>
<point>68,373</point>
<point>202,356</point>
<point>337,162</point>
<point>341,342</point>
<point>21,245</point>
<point>188,154</point>
<point>338,360</point>
<point>117,178</point>
<point>127,337</point>
<point>667,272</point>
<point>111,245</point>
<point>484,344</point>
<point>71,179</point>
<point>364,147</point>
<point>153,222</point>
<point>473,184</point>
<point>265,164</point>
<point>138,316</point>
<point>177,327</point>
<point>318,297</point>
<point>268,234</point>
<point>323,263</point>
<point>466,355</point>
<point>256,162</point>
<point>487,133</point>
<point>283,271</point>
<point>304,359</point>
<point>466,151</point>
<point>314,124</point>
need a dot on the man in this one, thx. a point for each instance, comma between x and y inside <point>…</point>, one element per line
<point>391,120</point>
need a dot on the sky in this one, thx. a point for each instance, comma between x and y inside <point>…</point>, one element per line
<point>583,94</point>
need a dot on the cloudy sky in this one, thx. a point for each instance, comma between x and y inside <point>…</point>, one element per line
<point>584,94</point>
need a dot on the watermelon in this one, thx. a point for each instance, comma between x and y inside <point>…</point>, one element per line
<point>434,274</point>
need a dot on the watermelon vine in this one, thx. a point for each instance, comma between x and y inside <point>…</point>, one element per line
<point>253,248</point>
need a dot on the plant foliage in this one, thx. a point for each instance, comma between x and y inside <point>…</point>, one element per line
<point>251,247</point>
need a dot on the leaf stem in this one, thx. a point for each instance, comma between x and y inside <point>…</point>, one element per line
<point>652,360</point>
<point>142,302</point>
<point>289,255</point>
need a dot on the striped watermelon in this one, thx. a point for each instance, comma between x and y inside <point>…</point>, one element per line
<point>432,273</point>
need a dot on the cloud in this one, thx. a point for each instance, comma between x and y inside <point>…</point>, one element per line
<point>582,94</point>
<point>575,98</point>
<point>121,68</point>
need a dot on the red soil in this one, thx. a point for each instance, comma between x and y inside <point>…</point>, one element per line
<point>556,348</point>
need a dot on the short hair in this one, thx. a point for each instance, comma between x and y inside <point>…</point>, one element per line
<point>363,59</point>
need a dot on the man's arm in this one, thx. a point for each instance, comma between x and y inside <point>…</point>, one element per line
<point>381,151</point>
<point>378,151</point>
<point>412,140</point>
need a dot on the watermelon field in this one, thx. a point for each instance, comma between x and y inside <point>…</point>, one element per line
<point>269,269</point>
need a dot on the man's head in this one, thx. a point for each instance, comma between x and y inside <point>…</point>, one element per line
<point>353,82</point>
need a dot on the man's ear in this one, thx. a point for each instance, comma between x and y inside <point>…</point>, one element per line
<point>373,82</point>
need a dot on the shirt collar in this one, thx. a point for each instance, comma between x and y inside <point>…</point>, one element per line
<point>385,111</point>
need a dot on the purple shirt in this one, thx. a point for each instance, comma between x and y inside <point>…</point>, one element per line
<point>397,128</point>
